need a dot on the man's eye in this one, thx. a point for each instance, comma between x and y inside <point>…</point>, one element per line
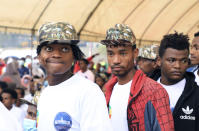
<point>123,53</point>
<point>171,60</point>
<point>184,61</point>
<point>65,49</point>
<point>48,48</point>
<point>110,53</point>
<point>195,47</point>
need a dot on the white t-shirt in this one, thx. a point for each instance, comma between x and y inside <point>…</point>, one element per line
<point>18,113</point>
<point>196,77</point>
<point>174,91</point>
<point>118,106</point>
<point>7,121</point>
<point>76,104</point>
<point>87,74</point>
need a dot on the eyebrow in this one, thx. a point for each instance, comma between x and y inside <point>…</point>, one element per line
<point>178,58</point>
<point>123,50</point>
<point>109,51</point>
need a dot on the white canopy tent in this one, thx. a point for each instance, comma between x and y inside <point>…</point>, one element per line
<point>149,19</point>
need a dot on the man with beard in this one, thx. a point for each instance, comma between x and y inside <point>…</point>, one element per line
<point>70,102</point>
<point>180,85</point>
<point>135,101</point>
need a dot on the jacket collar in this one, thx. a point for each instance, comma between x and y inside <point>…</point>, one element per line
<point>136,85</point>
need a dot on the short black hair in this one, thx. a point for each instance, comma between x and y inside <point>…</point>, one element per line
<point>85,61</point>
<point>77,53</point>
<point>22,91</point>
<point>10,91</point>
<point>3,85</point>
<point>196,34</point>
<point>176,41</point>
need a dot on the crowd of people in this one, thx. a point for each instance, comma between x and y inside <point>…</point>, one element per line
<point>153,88</point>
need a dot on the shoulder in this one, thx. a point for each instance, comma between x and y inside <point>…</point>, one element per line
<point>16,110</point>
<point>154,87</point>
<point>86,84</point>
<point>89,72</point>
<point>83,85</point>
<point>82,80</point>
<point>150,83</point>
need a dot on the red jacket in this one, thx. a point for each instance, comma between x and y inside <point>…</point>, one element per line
<point>2,65</point>
<point>148,105</point>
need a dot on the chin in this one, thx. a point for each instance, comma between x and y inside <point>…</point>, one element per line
<point>59,73</point>
<point>55,72</point>
<point>119,74</point>
<point>175,80</point>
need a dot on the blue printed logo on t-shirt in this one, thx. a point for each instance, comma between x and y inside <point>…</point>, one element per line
<point>62,121</point>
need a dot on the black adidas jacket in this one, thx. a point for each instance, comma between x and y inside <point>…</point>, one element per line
<point>186,111</point>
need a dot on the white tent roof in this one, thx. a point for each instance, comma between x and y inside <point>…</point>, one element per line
<point>149,19</point>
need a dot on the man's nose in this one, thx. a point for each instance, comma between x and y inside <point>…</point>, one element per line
<point>177,64</point>
<point>116,59</point>
<point>56,53</point>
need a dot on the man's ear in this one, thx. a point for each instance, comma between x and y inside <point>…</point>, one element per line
<point>13,101</point>
<point>155,64</point>
<point>158,61</point>
<point>136,51</point>
<point>39,58</point>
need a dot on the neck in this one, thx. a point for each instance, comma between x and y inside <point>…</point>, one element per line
<point>166,81</point>
<point>84,70</point>
<point>56,79</point>
<point>9,108</point>
<point>126,78</point>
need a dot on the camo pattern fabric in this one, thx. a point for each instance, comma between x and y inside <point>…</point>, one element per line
<point>57,31</point>
<point>149,52</point>
<point>120,32</point>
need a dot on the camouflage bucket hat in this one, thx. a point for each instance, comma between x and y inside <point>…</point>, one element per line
<point>120,32</point>
<point>149,52</point>
<point>57,31</point>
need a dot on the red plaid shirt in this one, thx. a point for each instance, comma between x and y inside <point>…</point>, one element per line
<point>148,102</point>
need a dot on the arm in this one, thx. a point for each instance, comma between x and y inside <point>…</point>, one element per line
<point>91,57</point>
<point>160,115</point>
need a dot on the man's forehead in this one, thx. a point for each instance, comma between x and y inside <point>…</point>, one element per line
<point>119,47</point>
<point>6,94</point>
<point>174,53</point>
<point>195,40</point>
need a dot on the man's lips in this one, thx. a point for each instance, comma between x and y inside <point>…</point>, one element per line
<point>116,68</point>
<point>176,73</point>
<point>54,62</point>
<point>193,57</point>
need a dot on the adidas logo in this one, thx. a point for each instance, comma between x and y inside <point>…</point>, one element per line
<point>186,117</point>
<point>187,110</point>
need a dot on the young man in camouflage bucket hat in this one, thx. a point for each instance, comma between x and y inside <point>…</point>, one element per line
<point>70,102</point>
<point>135,101</point>
<point>148,59</point>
